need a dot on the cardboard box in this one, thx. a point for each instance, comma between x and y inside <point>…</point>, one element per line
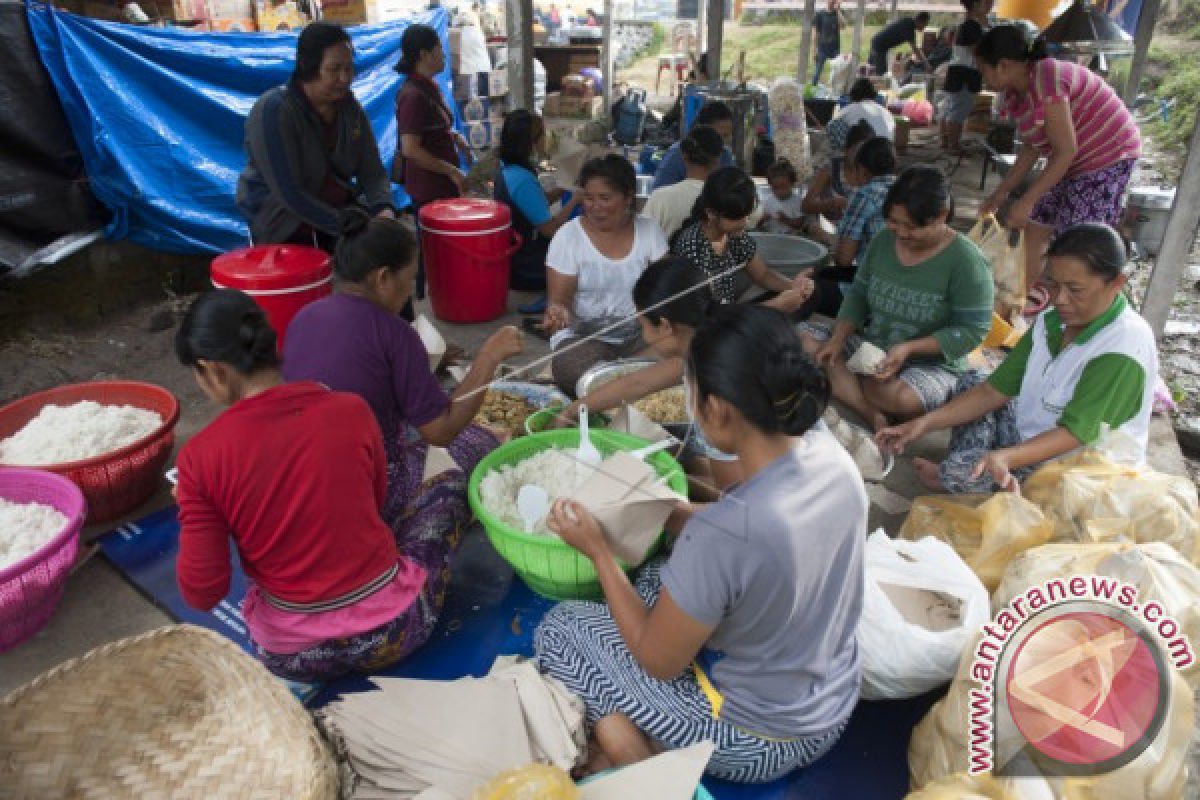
<point>498,82</point>
<point>233,25</point>
<point>557,105</point>
<point>274,16</point>
<point>349,12</point>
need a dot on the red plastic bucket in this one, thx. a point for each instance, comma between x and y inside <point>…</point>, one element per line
<point>282,279</point>
<point>468,246</point>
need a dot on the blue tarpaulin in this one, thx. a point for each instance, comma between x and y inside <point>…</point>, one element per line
<point>158,115</point>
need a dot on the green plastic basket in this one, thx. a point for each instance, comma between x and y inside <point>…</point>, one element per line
<point>549,566</point>
<point>539,421</point>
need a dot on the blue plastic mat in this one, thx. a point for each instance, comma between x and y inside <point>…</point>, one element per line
<point>488,613</point>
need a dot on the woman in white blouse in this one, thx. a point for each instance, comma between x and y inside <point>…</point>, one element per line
<point>591,267</point>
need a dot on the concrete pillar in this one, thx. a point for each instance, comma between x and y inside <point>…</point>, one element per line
<point>1141,48</point>
<point>859,21</point>
<point>806,42</point>
<point>716,33</point>
<point>1172,257</point>
<point>606,58</point>
<point>519,24</point>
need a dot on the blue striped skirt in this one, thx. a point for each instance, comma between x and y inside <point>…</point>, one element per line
<point>579,644</point>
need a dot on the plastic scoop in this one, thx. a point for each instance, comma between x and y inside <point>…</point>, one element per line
<point>642,453</point>
<point>533,503</point>
<point>588,453</point>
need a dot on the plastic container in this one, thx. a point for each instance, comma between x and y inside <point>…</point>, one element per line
<point>468,245</point>
<point>31,589</point>
<point>114,483</point>
<point>787,254</point>
<point>282,279</point>
<point>549,566</point>
<point>631,118</point>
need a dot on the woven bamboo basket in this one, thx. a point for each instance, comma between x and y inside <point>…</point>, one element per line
<point>178,712</point>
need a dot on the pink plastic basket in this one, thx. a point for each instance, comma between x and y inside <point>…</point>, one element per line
<point>31,588</point>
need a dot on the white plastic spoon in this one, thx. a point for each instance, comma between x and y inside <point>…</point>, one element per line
<point>533,503</point>
<point>588,454</point>
<point>642,453</point>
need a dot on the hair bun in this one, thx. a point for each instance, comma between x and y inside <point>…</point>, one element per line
<point>352,221</point>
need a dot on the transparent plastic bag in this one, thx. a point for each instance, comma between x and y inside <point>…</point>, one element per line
<point>1006,259</point>
<point>962,786</point>
<point>938,749</point>
<point>1158,571</point>
<point>789,125</point>
<point>534,782</point>
<point>921,606</point>
<point>988,531</point>
<point>1095,496</point>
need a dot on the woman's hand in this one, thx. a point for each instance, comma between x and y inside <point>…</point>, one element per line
<point>803,283</point>
<point>503,344</point>
<point>386,213</point>
<point>996,464</point>
<point>556,318</point>
<point>567,417</point>
<point>1018,213</point>
<point>576,526</point>
<point>895,438</point>
<point>895,360</point>
<point>830,352</point>
<point>991,204</point>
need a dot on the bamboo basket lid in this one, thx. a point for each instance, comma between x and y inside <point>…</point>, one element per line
<point>178,712</point>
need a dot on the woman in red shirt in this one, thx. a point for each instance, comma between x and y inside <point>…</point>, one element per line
<point>428,155</point>
<point>295,475</point>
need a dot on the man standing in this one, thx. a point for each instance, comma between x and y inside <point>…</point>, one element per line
<point>827,28</point>
<point>903,31</point>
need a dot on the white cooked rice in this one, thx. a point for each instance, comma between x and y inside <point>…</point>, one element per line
<point>25,527</point>
<point>558,471</point>
<point>59,434</point>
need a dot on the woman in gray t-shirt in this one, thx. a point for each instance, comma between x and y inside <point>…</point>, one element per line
<point>745,634</point>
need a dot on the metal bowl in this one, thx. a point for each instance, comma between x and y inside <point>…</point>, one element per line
<point>789,254</point>
<point>609,371</point>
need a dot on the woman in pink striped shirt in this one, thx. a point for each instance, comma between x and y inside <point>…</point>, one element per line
<point>1069,115</point>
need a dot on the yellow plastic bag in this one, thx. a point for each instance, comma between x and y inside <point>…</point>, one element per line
<point>962,786</point>
<point>1091,498</point>
<point>938,750</point>
<point>534,782</point>
<point>1006,259</point>
<point>1158,571</point>
<point>986,530</point>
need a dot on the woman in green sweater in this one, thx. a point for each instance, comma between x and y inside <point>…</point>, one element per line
<point>923,294</point>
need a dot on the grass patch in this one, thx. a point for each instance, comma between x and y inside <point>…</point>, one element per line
<point>774,50</point>
<point>1179,79</point>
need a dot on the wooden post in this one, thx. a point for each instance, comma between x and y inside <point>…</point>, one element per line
<point>806,42</point>
<point>1172,257</point>
<point>716,33</point>
<point>1141,49</point>
<point>859,21</point>
<point>606,58</point>
<point>519,24</point>
<point>892,12</point>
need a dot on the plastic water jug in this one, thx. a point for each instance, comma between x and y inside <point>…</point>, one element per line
<point>631,118</point>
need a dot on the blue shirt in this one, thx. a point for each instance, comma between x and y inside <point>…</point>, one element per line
<point>526,194</point>
<point>863,217</point>
<point>672,169</point>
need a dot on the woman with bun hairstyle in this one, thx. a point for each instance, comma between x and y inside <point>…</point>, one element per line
<point>745,634</point>
<point>671,205</point>
<point>295,476</point>
<point>1086,365</point>
<point>355,341</point>
<point>1068,115</point>
<point>671,305</point>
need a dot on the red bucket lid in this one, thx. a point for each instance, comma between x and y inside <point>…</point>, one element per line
<point>271,266</point>
<point>465,215</point>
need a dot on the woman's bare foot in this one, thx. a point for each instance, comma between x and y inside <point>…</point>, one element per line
<point>621,740</point>
<point>927,473</point>
<point>596,763</point>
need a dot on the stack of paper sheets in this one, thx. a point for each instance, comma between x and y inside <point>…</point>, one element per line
<point>453,736</point>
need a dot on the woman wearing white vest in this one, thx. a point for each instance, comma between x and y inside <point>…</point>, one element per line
<point>1087,363</point>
